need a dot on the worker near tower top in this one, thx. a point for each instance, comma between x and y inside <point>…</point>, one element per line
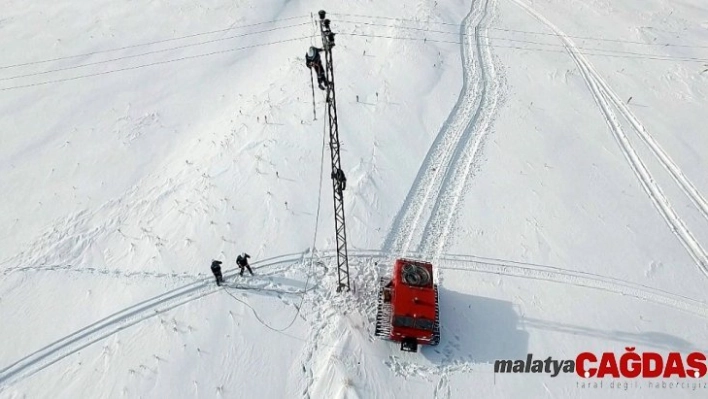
<point>313,61</point>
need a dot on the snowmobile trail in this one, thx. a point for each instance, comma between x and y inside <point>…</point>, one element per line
<point>511,268</point>
<point>466,156</point>
<point>503,267</point>
<point>579,279</point>
<point>669,165</point>
<point>677,175</point>
<point>91,334</point>
<point>453,263</point>
<point>605,98</point>
<point>450,145</point>
<point>104,328</point>
<point>105,272</point>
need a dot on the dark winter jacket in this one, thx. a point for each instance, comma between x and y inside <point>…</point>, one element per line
<point>242,260</point>
<point>216,267</point>
<point>340,177</point>
<point>312,57</point>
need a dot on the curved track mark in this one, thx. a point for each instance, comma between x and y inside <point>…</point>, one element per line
<point>447,147</point>
<point>478,53</point>
<point>602,98</point>
<point>60,349</point>
<point>112,324</point>
<point>676,173</point>
<point>553,274</point>
<point>579,279</point>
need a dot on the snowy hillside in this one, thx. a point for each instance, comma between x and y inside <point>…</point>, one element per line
<point>547,156</point>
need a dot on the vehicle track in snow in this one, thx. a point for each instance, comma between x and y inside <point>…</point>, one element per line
<point>452,145</point>
<point>676,173</point>
<point>579,279</point>
<point>186,277</point>
<point>492,265</point>
<point>455,263</point>
<point>477,52</point>
<point>119,321</point>
<point>93,333</point>
<point>552,274</point>
<point>606,99</point>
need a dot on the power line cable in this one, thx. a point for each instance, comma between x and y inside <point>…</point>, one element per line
<point>312,77</point>
<point>525,41</point>
<point>396,19</point>
<point>698,59</point>
<point>150,43</point>
<point>314,29</point>
<point>255,313</point>
<point>150,52</point>
<point>421,39</point>
<point>151,64</point>
<point>312,252</point>
<point>599,39</point>
<point>593,51</point>
<point>514,31</point>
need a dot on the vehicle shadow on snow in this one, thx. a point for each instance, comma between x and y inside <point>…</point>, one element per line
<point>476,329</point>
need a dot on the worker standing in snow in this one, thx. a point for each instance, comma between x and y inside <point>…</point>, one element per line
<point>216,269</point>
<point>242,262</point>
<point>313,61</point>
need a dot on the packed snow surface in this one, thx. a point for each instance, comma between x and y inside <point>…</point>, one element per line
<point>548,156</point>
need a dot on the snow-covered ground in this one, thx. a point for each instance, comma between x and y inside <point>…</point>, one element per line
<point>548,156</point>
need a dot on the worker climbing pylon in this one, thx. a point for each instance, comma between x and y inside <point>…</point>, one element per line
<point>340,178</point>
<point>313,61</point>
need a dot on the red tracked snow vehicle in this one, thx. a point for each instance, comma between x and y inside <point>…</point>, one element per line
<point>408,310</point>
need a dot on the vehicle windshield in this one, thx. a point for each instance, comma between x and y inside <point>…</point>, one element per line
<point>424,324</point>
<point>404,321</point>
<point>410,322</point>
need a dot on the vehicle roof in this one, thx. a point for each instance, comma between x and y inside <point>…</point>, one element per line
<point>409,300</point>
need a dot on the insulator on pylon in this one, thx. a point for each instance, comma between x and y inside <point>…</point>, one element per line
<point>322,14</point>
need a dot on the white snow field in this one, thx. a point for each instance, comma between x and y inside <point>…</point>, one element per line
<point>548,156</point>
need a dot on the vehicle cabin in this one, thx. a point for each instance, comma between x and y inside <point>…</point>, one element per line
<point>412,297</point>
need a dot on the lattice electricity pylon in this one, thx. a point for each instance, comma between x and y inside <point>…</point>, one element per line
<point>338,178</point>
